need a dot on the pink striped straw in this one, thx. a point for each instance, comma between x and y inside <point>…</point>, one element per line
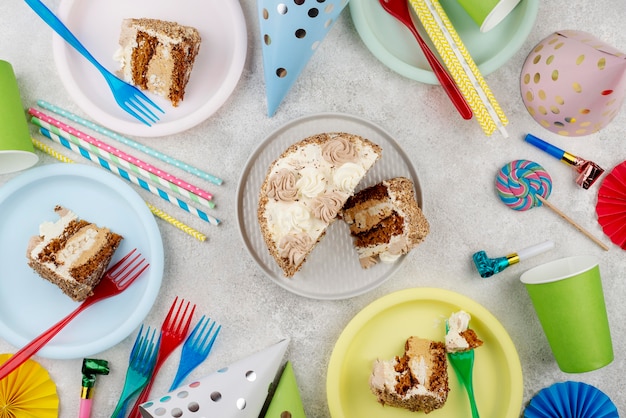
<point>122,155</point>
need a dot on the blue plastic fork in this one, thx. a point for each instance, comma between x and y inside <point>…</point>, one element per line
<point>140,365</point>
<point>127,96</point>
<point>196,349</point>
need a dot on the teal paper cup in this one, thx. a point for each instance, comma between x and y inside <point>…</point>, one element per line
<point>488,13</point>
<point>16,147</point>
<point>569,302</point>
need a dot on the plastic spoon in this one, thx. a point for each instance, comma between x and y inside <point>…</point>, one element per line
<point>400,10</point>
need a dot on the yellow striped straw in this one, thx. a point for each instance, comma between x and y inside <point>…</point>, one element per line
<point>155,211</point>
<point>461,66</point>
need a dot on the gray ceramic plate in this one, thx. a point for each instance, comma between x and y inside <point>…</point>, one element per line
<point>332,271</point>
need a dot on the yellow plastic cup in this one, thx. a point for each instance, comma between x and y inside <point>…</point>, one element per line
<point>569,302</point>
<point>488,13</point>
<point>16,148</point>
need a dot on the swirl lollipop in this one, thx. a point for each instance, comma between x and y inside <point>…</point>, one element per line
<point>523,184</point>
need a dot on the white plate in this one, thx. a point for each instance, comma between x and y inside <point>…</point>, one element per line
<point>332,270</point>
<point>29,304</point>
<point>97,25</point>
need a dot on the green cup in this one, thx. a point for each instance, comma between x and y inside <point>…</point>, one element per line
<point>16,148</point>
<point>568,299</point>
<point>488,13</point>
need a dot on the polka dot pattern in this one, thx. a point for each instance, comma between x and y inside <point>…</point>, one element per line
<point>236,391</point>
<point>573,84</point>
<point>291,31</point>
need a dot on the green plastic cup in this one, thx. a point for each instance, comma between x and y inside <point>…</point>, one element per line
<point>16,148</point>
<point>488,13</point>
<point>569,302</point>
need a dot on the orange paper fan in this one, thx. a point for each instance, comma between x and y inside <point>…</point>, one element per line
<point>611,205</point>
<point>28,392</point>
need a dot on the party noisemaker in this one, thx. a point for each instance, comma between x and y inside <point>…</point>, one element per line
<point>487,266</point>
<point>524,184</point>
<point>611,205</point>
<point>588,171</point>
<point>290,34</point>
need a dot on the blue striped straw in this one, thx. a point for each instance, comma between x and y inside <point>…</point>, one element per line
<point>143,148</point>
<point>130,177</point>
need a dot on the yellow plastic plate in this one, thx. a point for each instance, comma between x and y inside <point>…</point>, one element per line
<point>380,331</point>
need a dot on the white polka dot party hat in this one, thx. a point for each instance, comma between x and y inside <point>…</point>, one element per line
<point>291,31</point>
<point>573,83</point>
<point>237,391</point>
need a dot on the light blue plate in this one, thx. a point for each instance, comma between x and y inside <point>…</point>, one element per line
<point>29,304</point>
<point>392,43</point>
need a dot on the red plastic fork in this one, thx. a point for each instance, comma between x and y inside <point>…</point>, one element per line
<point>115,281</point>
<point>173,333</point>
<point>400,10</point>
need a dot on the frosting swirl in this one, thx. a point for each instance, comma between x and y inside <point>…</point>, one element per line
<point>294,247</point>
<point>339,151</point>
<point>293,217</point>
<point>311,182</point>
<point>348,176</point>
<point>282,186</point>
<point>326,206</point>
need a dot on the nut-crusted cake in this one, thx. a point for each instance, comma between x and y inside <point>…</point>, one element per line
<point>385,221</point>
<point>72,253</point>
<point>304,189</point>
<point>158,56</point>
<point>417,380</point>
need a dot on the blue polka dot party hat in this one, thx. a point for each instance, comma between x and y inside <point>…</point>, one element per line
<point>291,31</point>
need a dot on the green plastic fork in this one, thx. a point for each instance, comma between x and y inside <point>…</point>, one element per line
<point>140,365</point>
<point>463,364</point>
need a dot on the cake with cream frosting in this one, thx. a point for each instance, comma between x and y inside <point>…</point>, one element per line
<point>158,56</point>
<point>417,380</point>
<point>304,190</point>
<point>72,253</point>
<point>385,221</point>
<point>459,336</point>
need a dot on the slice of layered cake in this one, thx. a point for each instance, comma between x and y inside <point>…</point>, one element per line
<point>304,189</point>
<point>72,253</point>
<point>417,380</point>
<point>385,221</point>
<point>158,56</point>
<point>459,336</point>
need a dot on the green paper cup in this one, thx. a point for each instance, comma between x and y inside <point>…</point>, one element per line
<point>488,13</point>
<point>567,296</point>
<point>16,147</point>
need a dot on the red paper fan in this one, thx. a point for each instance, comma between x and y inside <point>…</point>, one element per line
<point>611,205</point>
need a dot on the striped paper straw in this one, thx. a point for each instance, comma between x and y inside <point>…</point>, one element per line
<point>461,66</point>
<point>130,177</point>
<point>121,158</point>
<point>133,144</point>
<point>155,211</point>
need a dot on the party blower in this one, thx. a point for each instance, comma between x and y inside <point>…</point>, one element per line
<point>487,267</point>
<point>91,368</point>
<point>588,171</point>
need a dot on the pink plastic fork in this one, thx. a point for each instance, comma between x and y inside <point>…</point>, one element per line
<point>173,333</point>
<point>114,282</point>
